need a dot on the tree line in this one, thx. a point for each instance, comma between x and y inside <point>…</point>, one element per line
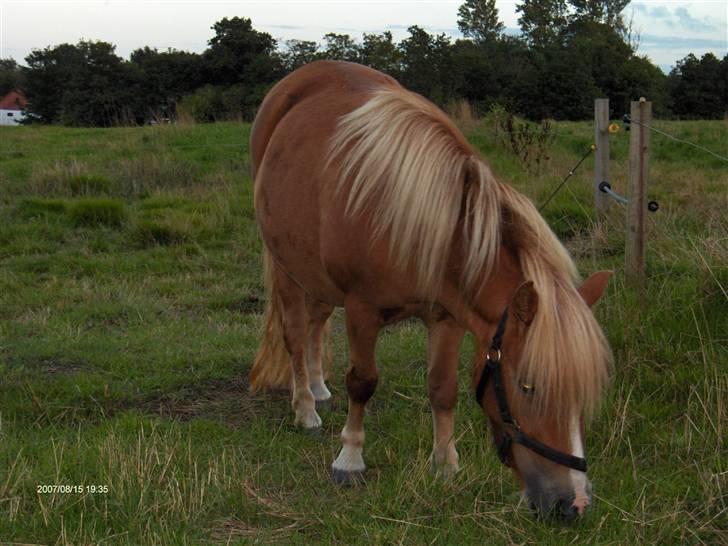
<point>569,52</point>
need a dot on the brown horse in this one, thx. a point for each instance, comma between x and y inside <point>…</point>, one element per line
<point>368,197</point>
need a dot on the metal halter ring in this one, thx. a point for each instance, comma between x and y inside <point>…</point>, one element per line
<point>496,352</point>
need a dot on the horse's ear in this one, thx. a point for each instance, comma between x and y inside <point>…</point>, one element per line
<point>594,286</point>
<point>525,303</point>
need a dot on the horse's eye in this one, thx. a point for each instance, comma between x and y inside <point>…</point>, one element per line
<point>528,389</point>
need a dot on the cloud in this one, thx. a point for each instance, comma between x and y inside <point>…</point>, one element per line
<point>692,23</point>
<point>672,42</point>
<point>677,18</point>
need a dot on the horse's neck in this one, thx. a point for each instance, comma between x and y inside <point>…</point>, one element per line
<point>479,313</point>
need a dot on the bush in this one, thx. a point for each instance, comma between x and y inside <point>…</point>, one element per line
<point>97,212</point>
<point>203,105</point>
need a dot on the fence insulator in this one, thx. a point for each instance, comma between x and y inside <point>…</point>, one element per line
<point>605,187</point>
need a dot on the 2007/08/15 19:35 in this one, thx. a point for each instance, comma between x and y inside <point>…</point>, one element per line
<point>67,488</point>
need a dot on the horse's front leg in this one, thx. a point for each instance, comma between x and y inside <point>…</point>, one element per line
<point>445,336</point>
<point>362,326</point>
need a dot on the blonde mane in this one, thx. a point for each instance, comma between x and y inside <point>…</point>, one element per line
<point>404,161</point>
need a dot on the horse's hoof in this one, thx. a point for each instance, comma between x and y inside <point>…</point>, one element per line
<point>347,477</point>
<point>444,471</point>
<point>314,432</point>
<point>307,420</point>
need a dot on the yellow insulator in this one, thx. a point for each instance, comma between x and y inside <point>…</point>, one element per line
<point>613,128</point>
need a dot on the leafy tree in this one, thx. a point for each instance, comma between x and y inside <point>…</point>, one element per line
<point>564,86</point>
<point>426,64</point>
<point>643,79</point>
<point>47,76</point>
<point>341,47</point>
<point>11,76</point>
<point>100,91</point>
<point>699,87</point>
<point>608,12</point>
<point>163,78</point>
<point>542,21</point>
<point>499,72</point>
<point>380,52</point>
<point>478,19</point>
<point>240,54</point>
<point>83,84</point>
<point>298,53</point>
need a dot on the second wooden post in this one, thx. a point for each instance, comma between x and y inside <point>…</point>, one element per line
<point>639,148</point>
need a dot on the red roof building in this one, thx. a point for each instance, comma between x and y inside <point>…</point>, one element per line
<point>13,101</point>
<point>11,108</point>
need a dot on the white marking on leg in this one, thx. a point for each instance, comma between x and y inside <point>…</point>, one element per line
<point>319,390</point>
<point>444,455</point>
<point>350,458</point>
<point>578,478</point>
<point>315,375</point>
<point>305,408</point>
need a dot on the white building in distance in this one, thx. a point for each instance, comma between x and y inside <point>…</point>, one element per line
<point>11,108</point>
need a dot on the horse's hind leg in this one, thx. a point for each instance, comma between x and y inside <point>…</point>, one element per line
<point>445,336</point>
<point>318,314</point>
<point>362,327</point>
<point>295,334</point>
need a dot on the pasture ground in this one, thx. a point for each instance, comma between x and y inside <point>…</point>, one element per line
<point>130,301</point>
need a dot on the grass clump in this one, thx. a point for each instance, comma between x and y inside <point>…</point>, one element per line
<point>68,178</point>
<point>34,207</point>
<point>149,233</point>
<point>97,212</point>
<point>568,219</point>
<point>88,184</point>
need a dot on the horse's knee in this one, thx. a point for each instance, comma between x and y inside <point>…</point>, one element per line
<point>443,394</point>
<point>360,386</point>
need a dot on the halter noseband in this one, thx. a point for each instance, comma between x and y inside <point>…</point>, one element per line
<point>512,430</point>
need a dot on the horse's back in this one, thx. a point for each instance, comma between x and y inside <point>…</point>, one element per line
<point>337,86</point>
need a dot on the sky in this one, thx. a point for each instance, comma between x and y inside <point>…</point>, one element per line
<point>668,30</point>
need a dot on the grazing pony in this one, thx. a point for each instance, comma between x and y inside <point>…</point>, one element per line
<point>368,197</point>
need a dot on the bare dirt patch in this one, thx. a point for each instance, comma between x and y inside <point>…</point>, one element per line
<point>226,400</point>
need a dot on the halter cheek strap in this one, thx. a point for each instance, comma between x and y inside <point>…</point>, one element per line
<point>512,431</point>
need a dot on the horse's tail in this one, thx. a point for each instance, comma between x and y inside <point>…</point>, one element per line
<point>272,366</point>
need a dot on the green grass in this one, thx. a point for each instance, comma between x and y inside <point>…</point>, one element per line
<point>130,302</point>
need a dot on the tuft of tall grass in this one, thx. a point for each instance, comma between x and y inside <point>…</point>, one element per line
<point>142,175</point>
<point>35,207</point>
<point>97,212</point>
<point>67,178</point>
<point>149,233</point>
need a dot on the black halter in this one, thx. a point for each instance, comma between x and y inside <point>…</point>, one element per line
<point>512,431</point>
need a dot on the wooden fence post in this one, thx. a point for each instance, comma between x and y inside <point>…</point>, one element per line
<point>639,141</point>
<point>601,160</point>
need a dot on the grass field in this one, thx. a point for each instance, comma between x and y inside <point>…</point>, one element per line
<point>130,301</point>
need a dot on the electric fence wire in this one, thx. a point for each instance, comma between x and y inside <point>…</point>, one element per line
<point>676,139</point>
<point>566,178</point>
